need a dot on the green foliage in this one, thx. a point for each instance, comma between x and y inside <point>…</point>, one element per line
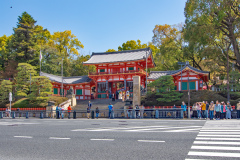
<point>213,27</point>
<point>40,90</point>
<point>5,88</point>
<point>165,88</point>
<point>23,78</point>
<point>111,50</point>
<point>22,103</point>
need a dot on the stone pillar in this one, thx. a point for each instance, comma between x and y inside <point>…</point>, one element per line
<point>136,91</point>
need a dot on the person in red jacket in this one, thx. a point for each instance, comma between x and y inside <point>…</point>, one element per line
<point>69,110</point>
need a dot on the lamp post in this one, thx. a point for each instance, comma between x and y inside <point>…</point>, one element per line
<point>62,78</point>
<point>181,63</point>
<point>146,70</point>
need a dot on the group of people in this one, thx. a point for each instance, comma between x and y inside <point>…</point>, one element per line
<point>60,111</point>
<point>121,95</point>
<point>219,110</point>
<point>89,110</point>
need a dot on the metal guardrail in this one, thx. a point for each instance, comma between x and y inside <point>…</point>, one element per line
<point>176,113</point>
<point>103,113</point>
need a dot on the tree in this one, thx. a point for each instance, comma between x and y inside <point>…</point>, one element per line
<point>67,46</point>
<point>40,90</point>
<point>111,50</point>
<point>5,88</point>
<point>4,51</point>
<point>164,88</point>
<point>78,69</point>
<point>23,78</point>
<point>23,43</point>
<point>207,20</point>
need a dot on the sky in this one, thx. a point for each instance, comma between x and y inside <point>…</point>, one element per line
<point>99,24</point>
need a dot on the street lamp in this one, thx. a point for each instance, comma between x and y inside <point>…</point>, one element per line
<point>146,70</point>
<point>181,63</point>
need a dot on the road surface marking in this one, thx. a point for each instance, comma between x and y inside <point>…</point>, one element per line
<point>23,136</point>
<point>217,148</point>
<point>219,139</point>
<point>58,138</point>
<point>212,135</point>
<point>219,132</point>
<point>211,142</point>
<point>214,154</point>
<point>151,141</point>
<point>102,139</point>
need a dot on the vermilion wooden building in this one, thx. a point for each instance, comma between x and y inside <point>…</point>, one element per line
<point>115,71</point>
<point>186,74</point>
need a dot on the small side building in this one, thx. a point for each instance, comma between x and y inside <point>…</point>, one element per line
<point>187,74</point>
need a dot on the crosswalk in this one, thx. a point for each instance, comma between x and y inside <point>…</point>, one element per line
<point>217,142</point>
<point>144,129</point>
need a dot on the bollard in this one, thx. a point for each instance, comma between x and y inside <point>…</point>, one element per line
<point>92,114</point>
<point>26,114</point>
<point>157,114</point>
<point>41,115</point>
<point>133,114</point>
<point>74,115</point>
<point>13,115</point>
<point>112,115</point>
<point>57,116</point>
<point>1,114</point>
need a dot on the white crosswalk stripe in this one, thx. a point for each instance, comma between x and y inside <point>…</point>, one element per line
<point>216,142</point>
<point>143,129</point>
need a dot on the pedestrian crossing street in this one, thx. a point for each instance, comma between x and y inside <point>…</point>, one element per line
<point>217,140</point>
<point>144,129</point>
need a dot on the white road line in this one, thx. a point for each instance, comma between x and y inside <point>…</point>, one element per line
<point>214,154</point>
<point>183,130</point>
<point>219,139</point>
<point>211,142</point>
<point>219,132</point>
<point>23,136</point>
<point>212,135</point>
<point>217,148</point>
<point>151,141</point>
<point>58,138</point>
<point>196,159</point>
<point>102,139</point>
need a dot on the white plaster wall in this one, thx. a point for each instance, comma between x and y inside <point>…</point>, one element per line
<point>87,92</point>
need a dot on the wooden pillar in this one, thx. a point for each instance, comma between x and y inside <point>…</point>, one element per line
<point>96,96</point>
<point>84,91</point>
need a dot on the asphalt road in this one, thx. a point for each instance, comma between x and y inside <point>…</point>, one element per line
<point>30,139</point>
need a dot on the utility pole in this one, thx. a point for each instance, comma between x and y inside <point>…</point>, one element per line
<point>146,72</point>
<point>188,97</point>
<point>30,82</point>
<point>181,63</point>
<point>62,78</point>
<point>228,95</point>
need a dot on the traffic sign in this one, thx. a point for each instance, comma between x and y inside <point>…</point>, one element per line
<point>10,96</point>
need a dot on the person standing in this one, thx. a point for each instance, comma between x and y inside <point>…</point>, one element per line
<point>127,95</point>
<point>194,108</point>
<point>113,97</point>
<point>97,112</point>
<point>203,107</point>
<point>123,96</point>
<point>238,110</point>
<point>7,112</point>
<point>62,111</point>
<point>184,109</point>
<point>58,112</point>
<point>89,104</point>
<point>141,111</point>
<point>88,112</point>
<point>199,110</point>
<point>206,112</point>
<point>137,112</point>
<point>217,110</point>
<point>211,110</point>
<point>229,109</point>
<point>69,111</point>
<point>110,108</point>
<point>223,110</point>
